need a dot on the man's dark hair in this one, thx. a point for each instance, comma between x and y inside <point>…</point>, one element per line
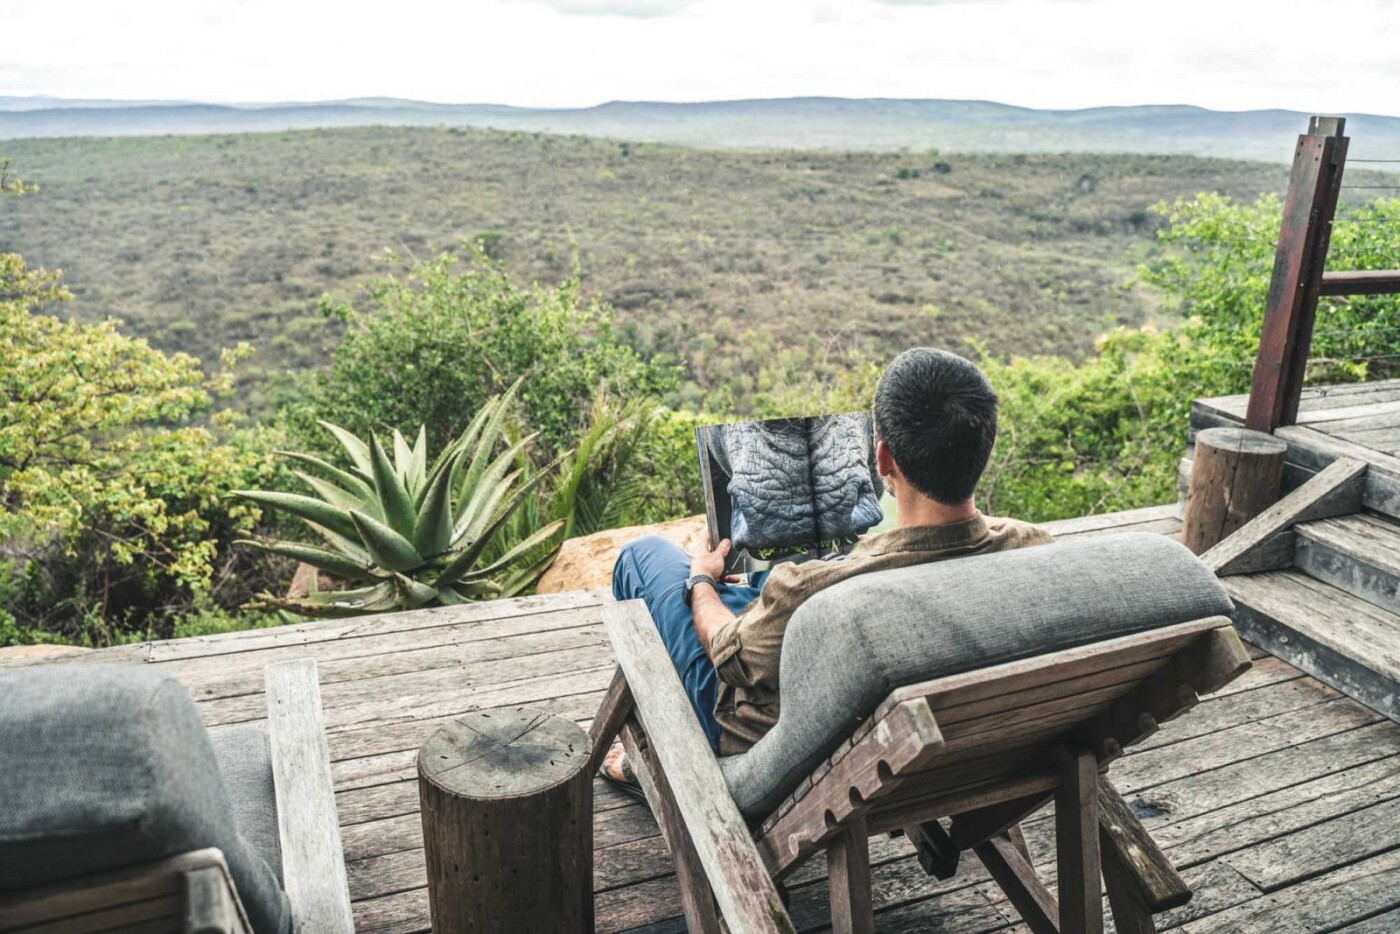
<point>938,414</point>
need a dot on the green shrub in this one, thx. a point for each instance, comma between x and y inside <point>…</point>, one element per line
<point>433,346</point>
<point>1107,433</point>
<point>114,517</point>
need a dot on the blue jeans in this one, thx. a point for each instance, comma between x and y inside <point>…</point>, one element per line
<point>655,570</point>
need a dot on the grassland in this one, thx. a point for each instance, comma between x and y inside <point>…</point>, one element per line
<point>724,256</point>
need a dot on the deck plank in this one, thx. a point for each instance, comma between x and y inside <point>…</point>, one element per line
<point>1250,783</point>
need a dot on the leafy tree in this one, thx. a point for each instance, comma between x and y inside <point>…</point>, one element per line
<point>112,509</point>
<point>1108,433</point>
<point>434,345</point>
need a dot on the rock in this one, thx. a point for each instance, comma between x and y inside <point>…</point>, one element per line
<point>586,563</point>
<point>308,578</point>
<point>29,653</point>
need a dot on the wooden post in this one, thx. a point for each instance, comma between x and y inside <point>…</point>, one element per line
<point>1286,334</point>
<point>1236,475</point>
<point>508,824</point>
<point>1077,842</point>
<point>848,872</point>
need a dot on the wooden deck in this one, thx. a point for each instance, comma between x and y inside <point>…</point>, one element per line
<point>1336,611</point>
<point>1280,799</point>
<point>1360,420</point>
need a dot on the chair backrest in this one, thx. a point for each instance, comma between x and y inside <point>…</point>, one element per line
<point>106,767</point>
<point>847,647</point>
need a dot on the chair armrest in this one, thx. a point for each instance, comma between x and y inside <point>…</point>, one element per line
<point>313,861</point>
<point>747,897</point>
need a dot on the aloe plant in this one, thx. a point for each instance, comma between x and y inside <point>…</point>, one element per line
<point>407,533</point>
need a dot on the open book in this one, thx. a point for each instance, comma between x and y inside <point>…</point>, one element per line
<point>789,488</point>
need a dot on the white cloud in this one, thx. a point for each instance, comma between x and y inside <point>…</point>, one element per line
<point>639,9</point>
<point>1225,54</point>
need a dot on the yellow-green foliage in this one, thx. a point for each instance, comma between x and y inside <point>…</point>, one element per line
<point>1107,433</point>
<point>113,512</point>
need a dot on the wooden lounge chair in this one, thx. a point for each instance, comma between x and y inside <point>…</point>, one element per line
<point>118,810</point>
<point>972,690</point>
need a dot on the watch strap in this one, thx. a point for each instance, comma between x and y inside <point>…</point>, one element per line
<point>698,579</point>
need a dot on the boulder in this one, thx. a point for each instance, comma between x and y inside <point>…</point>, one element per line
<point>586,563</point>
<point>308,579</point>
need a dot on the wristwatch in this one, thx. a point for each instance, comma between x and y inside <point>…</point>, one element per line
<point>698,579</point>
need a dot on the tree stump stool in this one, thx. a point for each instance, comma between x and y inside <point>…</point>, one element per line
<point>1236,474</point>
<point>508,823</point>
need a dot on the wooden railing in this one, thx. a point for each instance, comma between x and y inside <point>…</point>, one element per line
<point>1299,275</point>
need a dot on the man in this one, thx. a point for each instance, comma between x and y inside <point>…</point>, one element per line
<point>935,420</point>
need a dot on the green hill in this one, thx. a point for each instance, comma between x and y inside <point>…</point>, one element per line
<point>202,241</point>
<point>781,123</point>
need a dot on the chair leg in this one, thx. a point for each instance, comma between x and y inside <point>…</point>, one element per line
<point>1023,886</point>
<point>607,722</point>
<point>1077,842</point>
<point>1155,880</point>
<point>1130,912</point>
<point>697,898</point>
<point>1018,840</point>
<point>848,870</point>
<point>937,853</point>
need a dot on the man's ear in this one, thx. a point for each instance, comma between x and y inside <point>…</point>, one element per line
<point>884,461</point>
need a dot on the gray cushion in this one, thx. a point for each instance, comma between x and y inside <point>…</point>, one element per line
<point>103,767</point>
<point>245,762</point>
<point>847,647</point>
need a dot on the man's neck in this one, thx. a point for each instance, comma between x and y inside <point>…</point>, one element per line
<point>915,509</point>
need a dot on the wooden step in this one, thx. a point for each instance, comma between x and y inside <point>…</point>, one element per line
<point>1332,423</point>
<point>1359,554</point>
<point>1338,638</point>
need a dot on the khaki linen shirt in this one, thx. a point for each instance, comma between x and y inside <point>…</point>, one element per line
<point>746,649</point>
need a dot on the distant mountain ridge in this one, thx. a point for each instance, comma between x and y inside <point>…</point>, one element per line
<point>782,123</point>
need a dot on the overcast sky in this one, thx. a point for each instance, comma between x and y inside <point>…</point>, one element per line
<point>1223,54</point>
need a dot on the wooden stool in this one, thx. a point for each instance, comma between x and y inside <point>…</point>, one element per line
<point>508,823</point>
<point>1235,475</point>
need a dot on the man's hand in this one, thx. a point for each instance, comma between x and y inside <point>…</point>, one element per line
<point>706,607</point>
<point>710,562</point>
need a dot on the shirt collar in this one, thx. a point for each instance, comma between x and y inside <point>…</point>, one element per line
<point>926,537</point>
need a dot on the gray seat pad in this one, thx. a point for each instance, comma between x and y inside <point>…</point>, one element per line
<point>104,767</point>
<point>847,647</point>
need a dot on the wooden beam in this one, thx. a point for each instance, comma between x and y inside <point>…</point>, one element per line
<point>697,898</point>
<point>313,861</point>
<point>1130,912</point>
<point>1361,282</point>
<point>607,722</point>
<point>1022,884</point>
<point>903,741</point>
<point>208,906</point>
<point>1077,842</point>
<point>121,897</point>
<point>1299,259</point>
<point>848,872</point>
<point>1334,491</point>
<point>971,828</point>
<point>936,851</point>
<point>1155,881</point>
<point>747,897</point>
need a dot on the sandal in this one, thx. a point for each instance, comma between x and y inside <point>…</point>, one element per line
<point>628,784</point>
